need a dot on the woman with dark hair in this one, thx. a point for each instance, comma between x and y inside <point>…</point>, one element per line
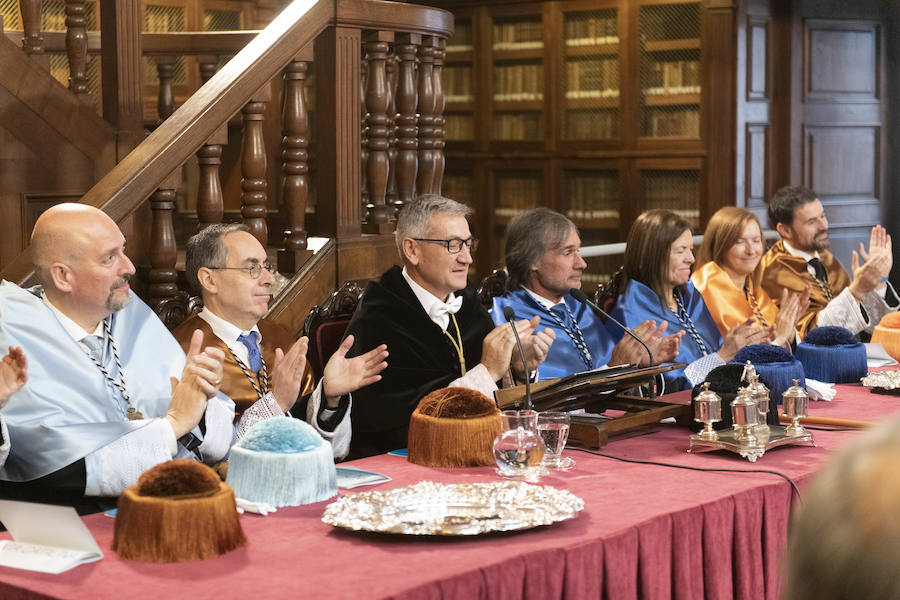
<point>728,277</point>
<point>656,279</point>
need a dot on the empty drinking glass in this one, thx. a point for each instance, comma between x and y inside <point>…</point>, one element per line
<point>553,428</point>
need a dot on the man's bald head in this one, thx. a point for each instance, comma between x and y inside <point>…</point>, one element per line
<point>62,234</point>
<point>79,256</point>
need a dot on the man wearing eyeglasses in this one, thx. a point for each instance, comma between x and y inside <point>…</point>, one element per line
<point>265,369</point>
<point>438,333</point>
<point>109,392</point>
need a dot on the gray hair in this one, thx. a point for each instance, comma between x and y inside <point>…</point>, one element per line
<point>415,217</point>
<point>845,539</point>
<point>205,249</point>
<point>529,236</point>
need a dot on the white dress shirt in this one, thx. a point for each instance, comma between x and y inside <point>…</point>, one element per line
<point>477,378</point>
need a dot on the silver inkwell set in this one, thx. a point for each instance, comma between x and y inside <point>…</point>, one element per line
<point>750,435</point>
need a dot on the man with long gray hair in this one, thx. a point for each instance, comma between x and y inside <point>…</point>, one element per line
<point>438,333</point>
<point>544,263</point>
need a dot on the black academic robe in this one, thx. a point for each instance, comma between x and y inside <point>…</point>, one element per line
<point>421,358</point>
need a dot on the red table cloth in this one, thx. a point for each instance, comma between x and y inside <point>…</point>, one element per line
<point>647,531</point>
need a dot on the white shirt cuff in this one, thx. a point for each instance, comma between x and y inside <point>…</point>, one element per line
<point>477,378</point>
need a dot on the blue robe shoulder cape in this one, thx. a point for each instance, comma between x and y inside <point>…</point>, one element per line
<point>67,409</point>
<point>639,303</point>
<point>564,358</point>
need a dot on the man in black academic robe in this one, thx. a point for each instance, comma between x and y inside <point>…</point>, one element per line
<point>436,331</point>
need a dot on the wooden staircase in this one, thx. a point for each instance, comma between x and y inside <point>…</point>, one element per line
<point>380,141</point>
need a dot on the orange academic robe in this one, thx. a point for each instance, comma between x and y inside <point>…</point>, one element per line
<point>235,384</point>
<point>727,304</point>
<point>782,270</point>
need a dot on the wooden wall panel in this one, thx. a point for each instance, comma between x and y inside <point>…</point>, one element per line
<point>843,161</point>
<point>756,187</point>
<point>838,113</point>
<point>842,60</point>
<point>757,58</point>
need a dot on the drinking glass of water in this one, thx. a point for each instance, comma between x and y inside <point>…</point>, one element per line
<point>519,449</point>
<point>553,428</point>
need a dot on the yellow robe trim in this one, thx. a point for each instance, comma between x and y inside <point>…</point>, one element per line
<point>727,304</point>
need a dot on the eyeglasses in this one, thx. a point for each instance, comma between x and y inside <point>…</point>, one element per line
<point>254,270</point>
<point>454,245</point>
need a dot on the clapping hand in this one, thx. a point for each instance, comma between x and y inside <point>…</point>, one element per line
<point>876,265</point>
<point>13,373</point>
<point>343,375</point>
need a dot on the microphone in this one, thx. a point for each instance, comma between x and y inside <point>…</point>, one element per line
<point>581,297</point>
<point>510,315</point>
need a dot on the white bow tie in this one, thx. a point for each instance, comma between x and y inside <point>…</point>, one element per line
<point>440,311</point>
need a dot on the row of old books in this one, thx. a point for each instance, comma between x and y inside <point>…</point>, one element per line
<point>459,188</point>
<point>161,21</point>
<point>673,77</point>
<point>592,124</point>
<point>457,82</point>
<point>459,127</point>
<point>580,28</point>
<point>515,195</point>
<point>592,197</point>
<point>592,75</point>
<point>678,192</point>
<point>522,35</point>
<point>668,122</point>
<point>518,82</point>
<point>517,126</point>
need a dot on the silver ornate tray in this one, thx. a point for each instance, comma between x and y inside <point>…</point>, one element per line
<point>430,508</point>
<point>883,382</point>
<point>772,437</point>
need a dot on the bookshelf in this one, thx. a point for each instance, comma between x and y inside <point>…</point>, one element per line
<point>517,78</point>
<point>459,83</point>
<point>592,78</point>
<point>670,70</point>
<point>595,108</point>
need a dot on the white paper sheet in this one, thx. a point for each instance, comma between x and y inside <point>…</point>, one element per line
<point>46,538</point>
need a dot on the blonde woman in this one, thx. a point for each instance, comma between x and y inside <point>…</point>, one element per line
<point>728,277</point>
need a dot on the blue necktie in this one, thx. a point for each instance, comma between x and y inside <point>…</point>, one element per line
<point>253,348</point>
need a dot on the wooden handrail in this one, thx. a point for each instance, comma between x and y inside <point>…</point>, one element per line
<point>178,43</point>
<point>132,181</point>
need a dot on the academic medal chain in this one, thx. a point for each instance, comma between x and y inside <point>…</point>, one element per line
<point>131,413</point>
<point>458,345</point>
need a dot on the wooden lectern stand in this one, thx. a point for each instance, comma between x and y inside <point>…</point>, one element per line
<point>598,391</point>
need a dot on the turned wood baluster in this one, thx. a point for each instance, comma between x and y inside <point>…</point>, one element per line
<point>363,133</point>
<point>425,178</point>
<point>439,121</point>
<point>253,166</point>
<point>210,200</point>
<point>32,41</point>
<point>208,63</point>
<point>163,251</point>
<point>165,101</point>
<point>390,197</point>
<point>407,97</point>
<point>377,122</point>
<point>295,165</point>
<point>76,46</point>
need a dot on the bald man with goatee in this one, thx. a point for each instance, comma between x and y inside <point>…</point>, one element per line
<point>110,393</point>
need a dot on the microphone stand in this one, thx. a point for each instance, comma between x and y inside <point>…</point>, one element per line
<point>510,315</point>
<point>581,297</point>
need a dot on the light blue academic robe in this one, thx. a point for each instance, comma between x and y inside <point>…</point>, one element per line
<point>564,358</point>
<point>67,409</point>
<point>639,303</point>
